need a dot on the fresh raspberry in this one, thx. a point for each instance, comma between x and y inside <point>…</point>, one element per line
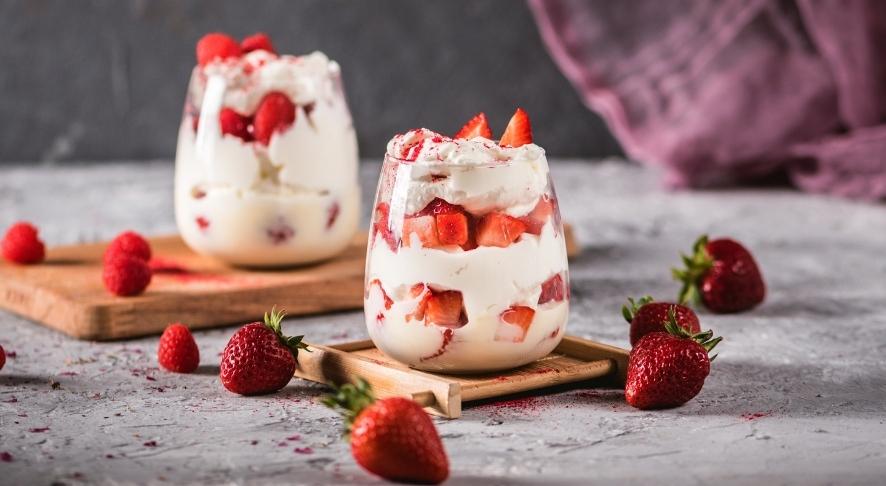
<point>233,123</point>
<point>128,243</point>
<point>216,46</point>
<point>126,275</point>
<point>177,351</point>
<point>257,41</point>
<point>22,245</point>
<point>275,113</point>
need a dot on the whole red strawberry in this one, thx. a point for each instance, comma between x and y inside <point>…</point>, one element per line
<point>257,41</point>
<point>259,358</point>
<point>126,275</point>
<point>177,351</point>
<point>128,243</point>
<point>723,274</point>
<point>392,437</point>
<point>2,357</point>
<point>667,369</point>
<point>22,245</point>
<point>216,46</point>
<point>647,316</point>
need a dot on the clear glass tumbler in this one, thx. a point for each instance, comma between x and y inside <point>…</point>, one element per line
<point>266,163</point>
<point>466,268</point>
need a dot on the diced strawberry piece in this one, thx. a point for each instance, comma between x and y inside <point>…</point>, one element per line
<point>377,283</point>
<point>553,289</point>
<point>233,123</point>
<point>520,316</point>
<point>476,127</point>
<point>419,290</point>
<point>332,214</point>
<point>439,206</point>
<point>410,153</point>
<point>425,227</point>
<point>257,41</point>
<point>381,226</point>
<point>499,229</point>
<point>446,309</point>
<point>216,46</point>
<point>539,215</point>
<point>202,223</point>
<point>275,113</point>
<point>452,229</point>
<point>518,132</point>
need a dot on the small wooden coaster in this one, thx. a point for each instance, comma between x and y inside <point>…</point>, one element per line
<point>573,360</point>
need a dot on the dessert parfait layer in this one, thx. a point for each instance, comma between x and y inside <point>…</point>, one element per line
<point>266,163</point>
<point>466,267</point>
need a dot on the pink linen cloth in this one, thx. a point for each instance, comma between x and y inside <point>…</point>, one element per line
<point>720,92</point>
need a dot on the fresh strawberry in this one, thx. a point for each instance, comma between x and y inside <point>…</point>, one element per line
<point>2,357</point>
<point>722,274</point>
<point>452,229</point>
<point>446,309</point>
<point>423,292</point>
<point>382,226</point>
<point>424,227</point>
<point>257,41</point>
<point>646,316</point>
<point>177,351</point>
<point>518,132</point>
<point>520,316</point>
<point>667,369</point>
<point>233,123</point>
<point>259,358</point>
<point>275,113</point>
<point>128,243</point>
<point>476,127</point>
<point>377,283</point>
<point>392,437</point>
<point>22,245</point>
<point>216,46</point>
<point>439,206</point>
<point>552,290</point>
<point>539,215</point>
<point>499,229</point>
<point>126,275</point>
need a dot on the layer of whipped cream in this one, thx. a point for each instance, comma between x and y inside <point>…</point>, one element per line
<point>491,280</point>
<point>304,79</point>
<point>475,173</point>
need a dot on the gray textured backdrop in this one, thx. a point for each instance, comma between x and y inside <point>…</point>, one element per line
<point>99,80</point>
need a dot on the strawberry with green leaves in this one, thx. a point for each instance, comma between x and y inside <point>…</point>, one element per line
<point>667,369</point>
<point>721,273</point>
<point>392,437</point>
<point>646,316</point>
<point>259,358</point>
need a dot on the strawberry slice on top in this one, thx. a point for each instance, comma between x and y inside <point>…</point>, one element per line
<point>257,41</point>
<point>475,127</point>
<point>216,46</point>
<point>518,131</point>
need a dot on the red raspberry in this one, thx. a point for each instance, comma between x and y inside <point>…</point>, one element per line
<point>275,113</point>
<point>22,245</point>
<point>257,41</point>
<point>128,243</point>
<point>126,275</point>
<point>177,351</point>
<point>216,46</point>
<point>233,123</point>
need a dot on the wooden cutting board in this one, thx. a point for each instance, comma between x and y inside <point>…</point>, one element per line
<point>66,291</point>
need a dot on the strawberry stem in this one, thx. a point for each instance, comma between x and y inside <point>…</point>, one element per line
<point>630,309</point>
<point>349,400</point>
<point>705,338</point>
<point>273,321</point>
<point>695,267</point>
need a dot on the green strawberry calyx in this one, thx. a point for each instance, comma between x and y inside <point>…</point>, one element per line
<point>349,400</point>
<point>706,338</point>
<point>695,267</point>
<point>273,321</point>
<point>630,309</point>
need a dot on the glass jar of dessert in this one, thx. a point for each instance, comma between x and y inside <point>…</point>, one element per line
<point>466,268</point>
<point>266,163</point>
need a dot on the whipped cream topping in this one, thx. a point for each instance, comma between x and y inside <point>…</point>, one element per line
<point>304,79</point>
<point>476,173</point>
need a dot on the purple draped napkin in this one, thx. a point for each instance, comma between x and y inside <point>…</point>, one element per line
<point>723,91</point>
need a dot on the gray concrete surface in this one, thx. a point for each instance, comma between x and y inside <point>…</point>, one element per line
<point>796,396</point>
<point>106,79</point>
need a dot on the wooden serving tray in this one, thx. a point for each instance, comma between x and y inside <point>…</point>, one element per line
<point>66,291</point>
<point>573,360</point>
